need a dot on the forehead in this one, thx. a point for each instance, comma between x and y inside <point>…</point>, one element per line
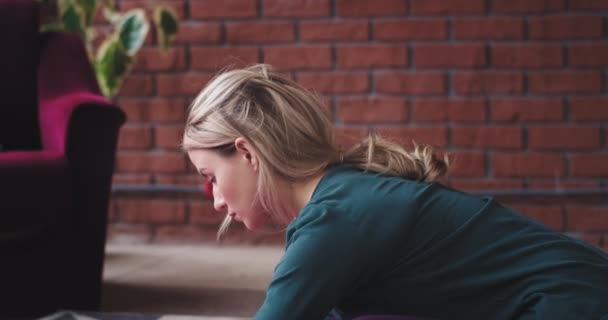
<point>203,158</point>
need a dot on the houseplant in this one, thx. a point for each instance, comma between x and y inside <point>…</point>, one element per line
<point>113,58</point>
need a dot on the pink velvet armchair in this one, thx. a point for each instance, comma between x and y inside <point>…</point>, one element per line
<point>58,140</point>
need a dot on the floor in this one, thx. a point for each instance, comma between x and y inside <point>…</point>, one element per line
<point>202,280</point>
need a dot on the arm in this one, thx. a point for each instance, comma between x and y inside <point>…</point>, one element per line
<point>325,261</point>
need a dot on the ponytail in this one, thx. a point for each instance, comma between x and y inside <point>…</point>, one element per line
<point>383,156</point>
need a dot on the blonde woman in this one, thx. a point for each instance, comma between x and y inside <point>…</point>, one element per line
<point>370,231</point>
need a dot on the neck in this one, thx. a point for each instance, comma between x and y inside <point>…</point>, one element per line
<point>302,191</point>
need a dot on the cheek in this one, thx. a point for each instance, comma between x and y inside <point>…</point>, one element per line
<point>208,189</point>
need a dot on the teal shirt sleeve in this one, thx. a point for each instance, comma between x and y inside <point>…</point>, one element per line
<point>323,262</point>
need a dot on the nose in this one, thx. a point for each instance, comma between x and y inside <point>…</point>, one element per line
<point>218,201</point>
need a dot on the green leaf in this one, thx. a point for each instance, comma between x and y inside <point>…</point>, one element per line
<point>109,4</point>
<point>111,15</point>
<point>89,7</point>
<point>52,26</point>
<point>112,64</point>
<point>73,19</point>
<point>166,23</point>
<point>133,29</point>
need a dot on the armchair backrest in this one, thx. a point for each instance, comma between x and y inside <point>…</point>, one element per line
<point>19,57</point>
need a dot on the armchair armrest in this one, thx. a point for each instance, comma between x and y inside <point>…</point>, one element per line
<point>78,122</point>
<point>57,117</point>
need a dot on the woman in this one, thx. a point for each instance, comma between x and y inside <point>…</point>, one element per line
<point>370,230</point>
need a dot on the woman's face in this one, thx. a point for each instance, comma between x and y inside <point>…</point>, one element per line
<point>234,179</point>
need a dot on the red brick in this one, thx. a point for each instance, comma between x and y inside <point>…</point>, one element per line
<point>562,137</point>
<point>589,108</point>
<point>205,9</point>
<point>527,6</point>
<point>565,27</point>
<point>178,6</point>
<point>102,32</point>
<point>98,17</point>
<point>254,32</point>
<point>411,29</point>
<point>154,59</point>
<point>588,55</point>
<point>469,82</point>
<point>197,32</point>
<point>364,8</point>
<point>188,179</point>
<point>487,137</point>
<point>449,55</point>
<point>589,4</point>
<point>137,85</point>
<point>367,56</point>
<point>298,57</point>
<point>348,136</point>
<point>552,216</point>
<point>443,7</point>
<point>335,82</point>
<point>527,55</point>
<point>143,162</point>
<point>589,165</point>
<point>330,30</point>
<point>529,164</point>
<point>372,109</point>
<point>565,82</point>
<point>153,211</point>
<point>410,82</point>
<point>495,28</point>
<point>562,184</point>
<point>526,109</point>
<point>131,178</point>
<point>202,212</point>
<point>434,136</point>
<point>135,137</point>
<point>448,109</point>
<point>214,58</point>
<point>587,218</point>
<point>485,185</point>
<point>295,8</point>
<point>168,136</point>
<point>467,164</point>
<point>133,108</point>
<point>181,84</point>
<point>153,109</point>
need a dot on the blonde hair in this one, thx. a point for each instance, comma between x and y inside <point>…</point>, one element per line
<point>291,133</point>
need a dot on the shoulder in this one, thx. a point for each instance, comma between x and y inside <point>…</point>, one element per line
<point>350,190</point>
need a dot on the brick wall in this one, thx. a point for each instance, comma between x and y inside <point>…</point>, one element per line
<point>515,90</point>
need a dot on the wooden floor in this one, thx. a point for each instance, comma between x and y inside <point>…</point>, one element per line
<point>208,280</point>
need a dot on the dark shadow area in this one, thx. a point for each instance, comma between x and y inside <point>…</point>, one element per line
<point>121,297</point>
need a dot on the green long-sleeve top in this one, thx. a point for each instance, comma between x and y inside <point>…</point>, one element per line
<point>372,244</point>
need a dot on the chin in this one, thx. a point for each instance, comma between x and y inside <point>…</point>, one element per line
<point>251,226</point>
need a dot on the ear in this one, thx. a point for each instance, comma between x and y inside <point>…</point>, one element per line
<point>245,149</point>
